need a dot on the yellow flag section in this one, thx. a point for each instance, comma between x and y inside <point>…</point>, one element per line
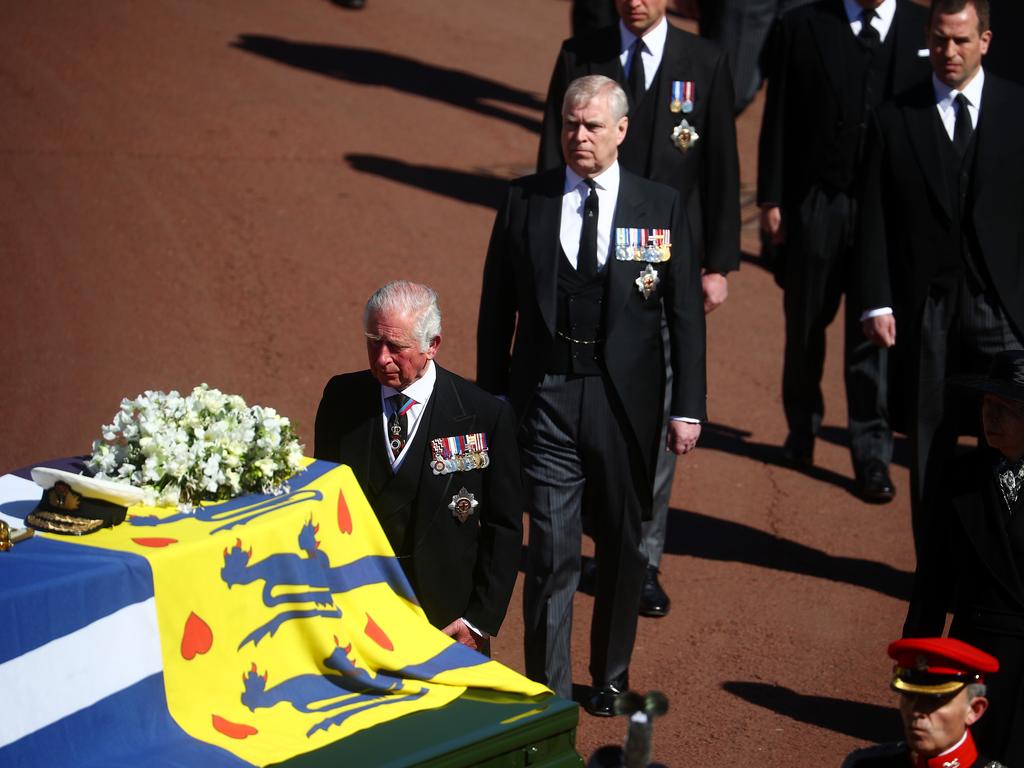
<point>286,622</point>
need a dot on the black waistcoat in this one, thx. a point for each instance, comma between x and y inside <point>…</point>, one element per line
<point>392,495</point>
<point>579,316</point>
<point>959,173</point>
<point>865,82</point>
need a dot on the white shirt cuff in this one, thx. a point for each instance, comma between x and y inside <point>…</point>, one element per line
<point>469,624</point>
<point>687,419</point>
<point>875,313</point>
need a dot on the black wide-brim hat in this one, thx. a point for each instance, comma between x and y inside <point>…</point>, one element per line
<point>1005,377</point>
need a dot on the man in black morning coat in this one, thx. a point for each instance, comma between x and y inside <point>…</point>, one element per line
<point>973,561</point>
<point>942,246</point>
<point>441,472</point>
<point>581,264</point>
<point>681,79</point>
<point>827,69</point>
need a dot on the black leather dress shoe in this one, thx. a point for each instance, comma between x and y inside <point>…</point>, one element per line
<point>653,600</point>
<point>354,4</point>
<point>798,453</point>
<point>602,697</point>
<point>874,484</point>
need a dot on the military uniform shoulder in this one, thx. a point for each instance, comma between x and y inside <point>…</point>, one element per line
<point>879,756</point>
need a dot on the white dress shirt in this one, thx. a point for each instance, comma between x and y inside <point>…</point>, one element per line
<point>420,391</point>
<point>884,14</point>
<point>574,195</point>
<point>652,50</point>
<point>945,101</point>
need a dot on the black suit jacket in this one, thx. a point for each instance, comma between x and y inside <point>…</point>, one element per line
<point>807,129</point>
<point>706,176</point>
<point>519,299</point>
<point>907,214</point>
<point>458,570</point>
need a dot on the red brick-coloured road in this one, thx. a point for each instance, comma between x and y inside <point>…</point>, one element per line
<point>207,192</point>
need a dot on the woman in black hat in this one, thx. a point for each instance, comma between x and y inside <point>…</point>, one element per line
<point>973,562</point>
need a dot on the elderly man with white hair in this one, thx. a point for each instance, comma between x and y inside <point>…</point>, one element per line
<point>436,457</point>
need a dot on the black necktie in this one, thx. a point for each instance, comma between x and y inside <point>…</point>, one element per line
<point>637,78</point>
<point>587,261</point>
<point>868,35</point>
<point>963,129</point>
<point>398,422</point>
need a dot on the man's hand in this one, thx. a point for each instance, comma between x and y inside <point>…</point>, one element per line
<point>682,436</point>
<point>463,634</point>
<point>716,290</point>
<point>771,223</point>
<point>881,330</point>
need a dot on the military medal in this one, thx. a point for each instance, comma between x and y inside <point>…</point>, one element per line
<point>650,245</point>
<point>682,96</point>
<point>684,136</point>
<point>462,505</point>
<point>676,105</point>
<point>458,453</point>
<point>687,97</point>
<point>647,281</point>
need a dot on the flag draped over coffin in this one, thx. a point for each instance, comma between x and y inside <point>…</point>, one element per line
<point>286,623</point>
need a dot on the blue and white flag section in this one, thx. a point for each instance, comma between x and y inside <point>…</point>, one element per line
<point>80,660</point>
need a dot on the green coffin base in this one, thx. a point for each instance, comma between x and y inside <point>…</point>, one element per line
<point>480,728</point>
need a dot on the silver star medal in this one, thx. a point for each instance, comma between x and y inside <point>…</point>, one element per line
<point>647,281</point>
<point>463,504</point>
<point>684,136</point>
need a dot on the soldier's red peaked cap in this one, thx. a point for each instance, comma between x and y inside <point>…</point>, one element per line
<point>937,666</point>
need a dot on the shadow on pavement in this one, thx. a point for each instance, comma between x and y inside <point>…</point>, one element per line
<point>703,536</point>
<point>478,189</point>
<point>420,78</point>
<point>720,437</point>
<point>869,722</point>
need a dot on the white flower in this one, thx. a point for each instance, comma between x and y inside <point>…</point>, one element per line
<point>207,445</point>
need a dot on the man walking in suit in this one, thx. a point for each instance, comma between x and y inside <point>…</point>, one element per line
<point>943,236</point>
<point>437,459</point>
<point>831,64</point>
<point>973,561</point>
<point>681,133</point>
<point>582,262</point>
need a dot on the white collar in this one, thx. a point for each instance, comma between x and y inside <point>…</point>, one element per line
<point>654,38</point>
<point>607,179</point>
<point>419,390</point>
<point>886,13</point>
<point>944,95</point>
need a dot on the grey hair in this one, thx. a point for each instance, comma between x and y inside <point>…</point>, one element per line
<point>975,690</point>
<point>584,89</point>
<point>413,300</point>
